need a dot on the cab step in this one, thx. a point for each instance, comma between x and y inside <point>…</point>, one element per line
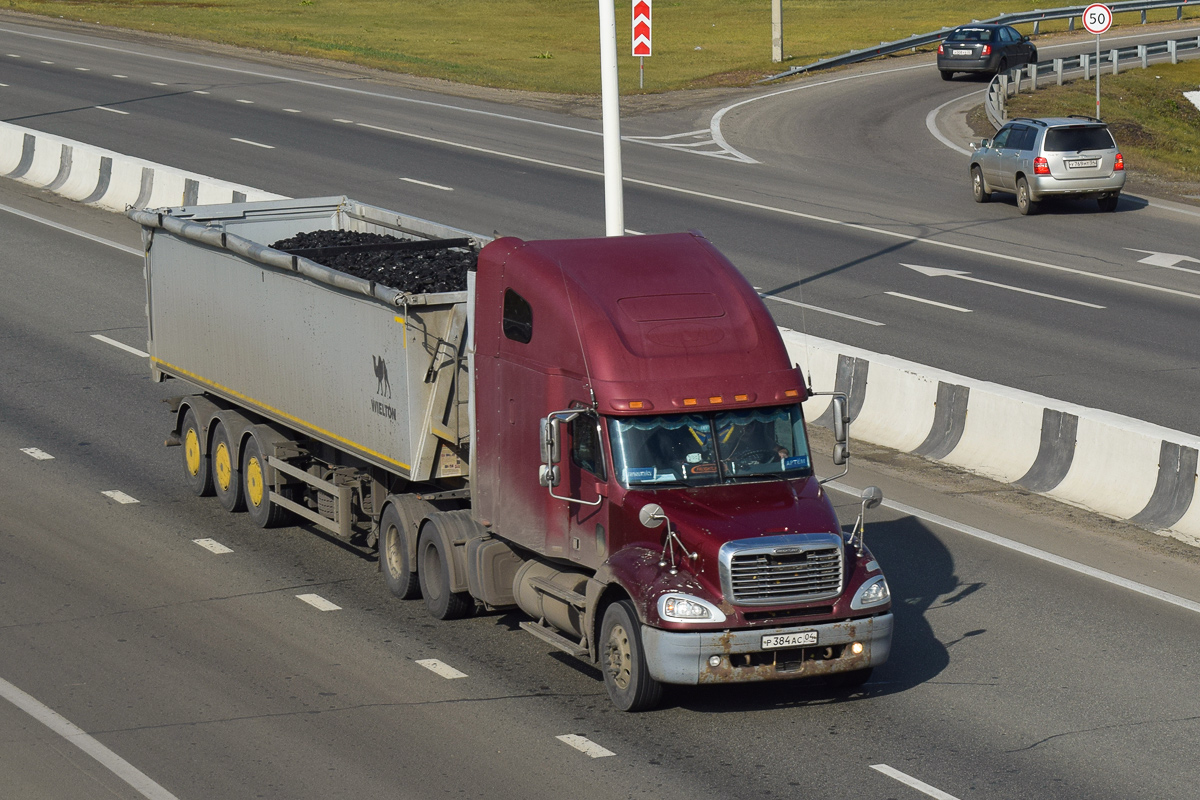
<point>553,637</point>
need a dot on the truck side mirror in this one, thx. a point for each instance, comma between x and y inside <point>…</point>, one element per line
<point>841,453</point>
<point>872,496</point>
<point>548,475</point>
<point>841,419</point>
<point>550,441</point>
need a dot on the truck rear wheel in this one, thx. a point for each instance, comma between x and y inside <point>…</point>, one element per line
<point>263,512</point>
<point>227,478</point>
<point>433,571</point>
<point>398,574</point>
<point>196,468</point>
<point>623,660</point>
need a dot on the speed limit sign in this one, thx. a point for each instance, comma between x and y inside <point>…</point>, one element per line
<point>1097,18</point>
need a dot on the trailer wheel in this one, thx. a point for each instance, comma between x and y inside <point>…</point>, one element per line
<point>623,660</point>
<point>227,478</point>
<point>398,575</point>
<point>433,571</point>
<point>263,512</point>
<point>196,469</point>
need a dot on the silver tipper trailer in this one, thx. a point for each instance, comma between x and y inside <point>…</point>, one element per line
<point>297,361</point>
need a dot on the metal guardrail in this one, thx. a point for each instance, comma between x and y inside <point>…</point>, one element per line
<point>1036,16</point>
<point>1010,82</point>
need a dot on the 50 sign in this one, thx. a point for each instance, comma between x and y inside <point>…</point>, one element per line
<point>1097,18</point>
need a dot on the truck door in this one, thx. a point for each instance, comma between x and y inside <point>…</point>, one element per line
<point>585,480</point>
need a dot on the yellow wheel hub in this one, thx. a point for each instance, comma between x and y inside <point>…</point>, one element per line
<point>223,466</point>
<point>255,490</point>
<point>191,452</point>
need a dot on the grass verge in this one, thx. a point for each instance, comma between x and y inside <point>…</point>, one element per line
<point>544,46</point>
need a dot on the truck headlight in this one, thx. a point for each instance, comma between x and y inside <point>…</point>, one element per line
<point>686,608</point>
<point>874,592</point>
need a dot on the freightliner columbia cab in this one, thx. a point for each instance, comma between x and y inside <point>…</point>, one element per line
<point>639,445</point>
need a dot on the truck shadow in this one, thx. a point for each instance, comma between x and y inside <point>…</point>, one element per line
<point>920,572</point>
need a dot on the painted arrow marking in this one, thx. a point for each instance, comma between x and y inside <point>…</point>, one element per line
<point>934,272</point>
<point>1166,260</point>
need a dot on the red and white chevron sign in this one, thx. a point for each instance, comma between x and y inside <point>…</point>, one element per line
<point>641,27</point>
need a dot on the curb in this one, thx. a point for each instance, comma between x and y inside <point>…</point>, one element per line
<point>107,179</point>
<point>1114,465</point>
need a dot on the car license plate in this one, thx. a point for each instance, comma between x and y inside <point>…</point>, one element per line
<point>1090,162</point>
<point>774,641</point>
<point>960,52</point>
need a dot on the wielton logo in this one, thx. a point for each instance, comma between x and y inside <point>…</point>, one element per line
<point>381,376</point>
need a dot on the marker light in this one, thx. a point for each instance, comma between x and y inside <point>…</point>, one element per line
<point>716,400</point>
<point>689,401</point>
<point>856,648</point>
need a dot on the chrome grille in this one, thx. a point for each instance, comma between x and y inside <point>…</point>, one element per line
<point>777,570</point>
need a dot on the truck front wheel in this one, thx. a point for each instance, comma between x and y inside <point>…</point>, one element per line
<point>623,660</point>
<point>227,478</point>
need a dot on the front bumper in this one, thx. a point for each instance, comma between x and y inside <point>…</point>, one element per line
<point>682,657</point>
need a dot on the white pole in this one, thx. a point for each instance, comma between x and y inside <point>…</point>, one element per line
<point>1097,76</point>
<point>614,202</point>
<point>777,31</point>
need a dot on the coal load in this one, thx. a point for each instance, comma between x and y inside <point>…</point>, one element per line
<point>416,267</point>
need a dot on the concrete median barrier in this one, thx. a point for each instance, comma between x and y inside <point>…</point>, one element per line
<point>1118,466</point>
<point>108,179</point>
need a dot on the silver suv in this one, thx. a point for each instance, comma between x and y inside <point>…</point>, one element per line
<point>1052,156</point>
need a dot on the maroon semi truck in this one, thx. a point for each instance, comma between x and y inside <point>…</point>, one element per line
<point>605,433</point>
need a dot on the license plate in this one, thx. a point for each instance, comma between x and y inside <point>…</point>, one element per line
<point>1091,162</point>
<point>960,52</point>
<point>774,641</point>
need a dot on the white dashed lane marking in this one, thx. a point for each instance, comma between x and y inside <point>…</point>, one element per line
<point>585,745</point>
<point>119,496</point>
<point>119,345</point>
<point>445,670</point>
<point>423,183</point>
<point>255,144</point>
<point>213,545</point>
<point>111,110</point>
<point>909,780</point>
<point>318,602</point>
<point>40,455</point>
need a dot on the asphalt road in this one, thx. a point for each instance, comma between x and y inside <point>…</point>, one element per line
<point>845,190</point>
<point>1013,677</point>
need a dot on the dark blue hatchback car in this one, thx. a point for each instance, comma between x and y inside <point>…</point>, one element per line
<point>986,48</point>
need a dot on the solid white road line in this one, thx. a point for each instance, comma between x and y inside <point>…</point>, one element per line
<point>118,766</point>
<point>67,229</point>
<point>1041,555</point>
<point>120,497</point>
<point>908,780</point>
<point>318,602</point>
<point>929,302</point>
<point>120,345</point>
<point>585,745</point>
<point>111,110</point>
<point>423,183</point>
<point>437,667</point>
<point>256,144</point>
<point>213,545</point>
<point>40,455</point>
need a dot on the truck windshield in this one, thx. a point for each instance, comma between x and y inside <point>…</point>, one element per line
<point>701,449</point>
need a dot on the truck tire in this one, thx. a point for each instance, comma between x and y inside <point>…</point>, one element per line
<point>227,478</point>
<point>257,492</point>
<point>196,468</point>
<point>433,571</point>
<point>623,660</point>
<point>398,574</point>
